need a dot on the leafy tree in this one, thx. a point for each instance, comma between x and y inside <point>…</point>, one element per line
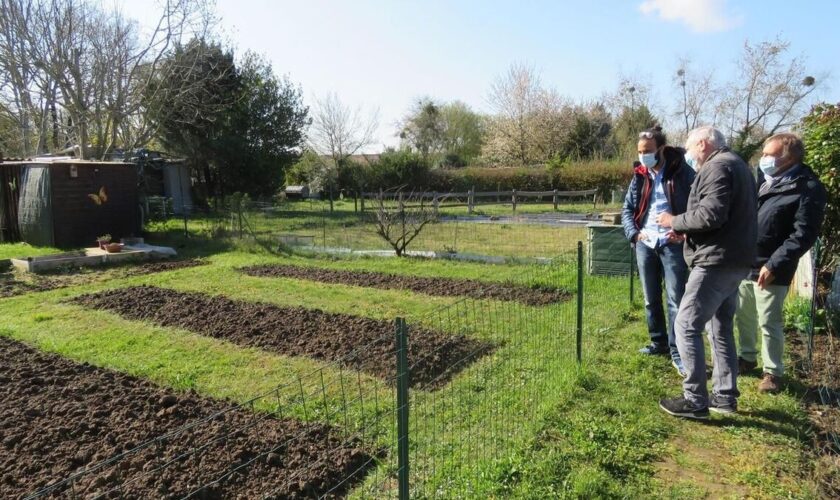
<point>463,133</point>
<point>399,168</point>
<point>589,135</point>
<point>629,123</point>
<point>449,134</point>
<point>306,171</point>
<point>192,124</point>
<point>423,130</point>
<point>263,130</point>
<point>821,134</point>
<point>239,129</point>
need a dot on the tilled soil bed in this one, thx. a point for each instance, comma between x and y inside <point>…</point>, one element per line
<point>13,283</point>
<point>58,417</point>
<point>444,287</point>
<point>363,344</point>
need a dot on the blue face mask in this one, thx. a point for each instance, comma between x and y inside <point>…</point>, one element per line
<point>767,164</point>
<point>648,159</point>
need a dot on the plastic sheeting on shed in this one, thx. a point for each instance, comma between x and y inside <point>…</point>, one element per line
<point>35,216</point>
<point>9,182</point>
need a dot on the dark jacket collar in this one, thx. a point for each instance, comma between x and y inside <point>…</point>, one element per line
<point>786,182</point>
<point>715,153</point>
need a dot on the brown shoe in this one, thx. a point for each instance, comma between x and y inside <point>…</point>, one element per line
<point>770,383</point>
<point>745,366</point>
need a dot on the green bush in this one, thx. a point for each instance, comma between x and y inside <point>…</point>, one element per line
<point>395,169</point>
<point>402,168</point>
<point>574,176</point>
<point>821,134</point>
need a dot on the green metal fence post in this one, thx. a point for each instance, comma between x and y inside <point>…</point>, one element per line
<point>402,407</point>
<point>579,329</point>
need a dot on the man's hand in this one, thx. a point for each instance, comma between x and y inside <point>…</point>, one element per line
<point>664,219</point>
<point>674,237</point>
<point>640,236</point>
<point>765,278</point>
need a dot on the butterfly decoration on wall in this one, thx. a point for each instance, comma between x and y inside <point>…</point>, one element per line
<point>99,198</point>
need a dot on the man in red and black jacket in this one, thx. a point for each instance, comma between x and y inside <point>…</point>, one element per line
<point>661,183</point>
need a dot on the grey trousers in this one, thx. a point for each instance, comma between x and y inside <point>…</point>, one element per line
<point>710,300</point>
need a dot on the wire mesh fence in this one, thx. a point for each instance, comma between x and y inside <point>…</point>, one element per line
<point>445,422</point>
<point>451,434</point>
<point>311,225</point>
<point>817,325</point>
<point>459,435</point>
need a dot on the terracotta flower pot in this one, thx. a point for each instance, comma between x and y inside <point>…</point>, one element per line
<point>113,247</point>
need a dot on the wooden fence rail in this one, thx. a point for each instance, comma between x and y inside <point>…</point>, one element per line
<point>471,196</point>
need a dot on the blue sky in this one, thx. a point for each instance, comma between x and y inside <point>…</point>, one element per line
<point>385,54</point>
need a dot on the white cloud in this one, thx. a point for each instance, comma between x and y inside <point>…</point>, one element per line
<point>702,16</point>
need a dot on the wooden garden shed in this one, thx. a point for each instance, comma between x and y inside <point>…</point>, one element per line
<point>67,203</point>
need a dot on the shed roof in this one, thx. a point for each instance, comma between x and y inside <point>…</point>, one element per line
<point>62,161</point>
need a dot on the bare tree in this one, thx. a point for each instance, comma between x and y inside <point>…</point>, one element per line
<point>85,70</point>
<point>771,94</point>
<point>698,96</point>
<point>18,76</point>
<point>631,94</point>
<point>400,223</point>
<point>339,131</point>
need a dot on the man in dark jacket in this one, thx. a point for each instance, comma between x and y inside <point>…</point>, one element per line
<point>791,207</point>
<point>720,225</point>
<point>661,183</point>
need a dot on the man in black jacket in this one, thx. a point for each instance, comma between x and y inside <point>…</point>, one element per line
<point>720,225</point>
<point>661,183</point>
<point>791,207</point>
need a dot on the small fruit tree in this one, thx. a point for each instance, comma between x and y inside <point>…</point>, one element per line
<point>400,221</point>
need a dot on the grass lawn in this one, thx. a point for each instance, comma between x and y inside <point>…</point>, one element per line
<point>345,229</point>
<point>23,250</point>
<point>523,422</point>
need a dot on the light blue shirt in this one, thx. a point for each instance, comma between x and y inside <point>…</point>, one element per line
<point>656,234</point>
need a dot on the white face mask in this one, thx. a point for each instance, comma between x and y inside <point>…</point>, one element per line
<point>767,164</point>
<point>648,159</point>
<point>689,159</point>
<point>692,159</point>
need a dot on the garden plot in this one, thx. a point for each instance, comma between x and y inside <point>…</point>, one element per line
<point>13,283</point>
<point>58,418</point>
<point>363,344</point>
<point>443,287</point>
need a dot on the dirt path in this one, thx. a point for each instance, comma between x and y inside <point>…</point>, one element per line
<point>443,287</point>
<point>58,417</point>
<point>359,343</point>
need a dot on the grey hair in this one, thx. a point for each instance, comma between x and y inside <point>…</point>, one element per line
<point>707,133</point>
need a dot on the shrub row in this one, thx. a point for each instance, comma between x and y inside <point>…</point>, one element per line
<point>405,169</point>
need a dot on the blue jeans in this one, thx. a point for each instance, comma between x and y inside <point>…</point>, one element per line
<point>655,265</point>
